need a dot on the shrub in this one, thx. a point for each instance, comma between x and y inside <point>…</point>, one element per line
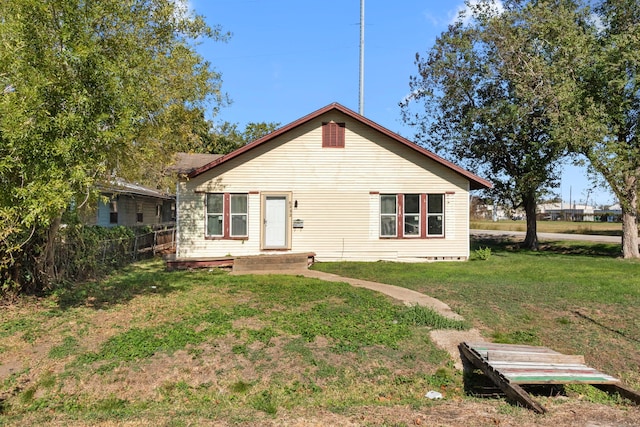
<point>482,254</point>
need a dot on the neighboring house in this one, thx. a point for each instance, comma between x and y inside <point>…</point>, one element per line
<point>332,183</point>
<point>132,205</point>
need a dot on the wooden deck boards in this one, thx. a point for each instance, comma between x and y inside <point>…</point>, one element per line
<point>512,366</point>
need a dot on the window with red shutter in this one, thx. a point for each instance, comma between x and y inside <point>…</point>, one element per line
<point>333,135</point>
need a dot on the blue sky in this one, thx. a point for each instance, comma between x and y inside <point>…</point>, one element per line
<point>287,58</point>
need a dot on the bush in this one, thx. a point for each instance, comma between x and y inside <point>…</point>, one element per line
<point>482,254</point>
<point>87,252</point>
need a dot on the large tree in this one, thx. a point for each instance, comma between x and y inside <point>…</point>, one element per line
<point>489,102</point>
<point>88,90</point>
<point>609,95</point>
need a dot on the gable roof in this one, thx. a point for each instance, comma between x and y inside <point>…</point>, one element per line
<point>476,182</point>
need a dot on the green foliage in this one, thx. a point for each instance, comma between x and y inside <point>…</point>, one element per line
<point>366,320</point>
<point>87,92</point>
<point>142,343</point>
<point>486,102</point>
<point>227,138</point>
<point>68,347</point>
<point>482,254</point>
<point>529,337</point>
<point>265,402</point>
<point>89,252</point>
<point>418,315</point>
<point>240,387</point>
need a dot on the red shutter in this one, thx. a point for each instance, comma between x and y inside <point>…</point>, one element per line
<point>333,135</point>
<point>423,216</point>
<point>227,218</point>
<point>400,215</point>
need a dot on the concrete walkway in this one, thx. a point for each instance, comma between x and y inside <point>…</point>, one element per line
<point>446,339</point>
<point>407,296</point>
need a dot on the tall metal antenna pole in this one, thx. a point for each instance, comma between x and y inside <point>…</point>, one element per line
<point>361,94</point>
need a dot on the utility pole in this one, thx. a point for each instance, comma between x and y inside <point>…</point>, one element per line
<point>361,92</point>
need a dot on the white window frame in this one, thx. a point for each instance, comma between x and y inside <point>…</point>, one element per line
<point>210,215</point>
<point>244,214</point>
<point>413,214</point>
<point>435,214</point>
<point>394,215</point>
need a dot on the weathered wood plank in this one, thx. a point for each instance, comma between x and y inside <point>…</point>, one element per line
<point>484,346</point>
<point>513,391</point>
<point>517,356</point>
<point>621,389</point>
<point>510,365</point>
<point>558,379</point>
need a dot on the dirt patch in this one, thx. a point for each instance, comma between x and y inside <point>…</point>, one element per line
<point>449,414</point>
<point>449,340</point>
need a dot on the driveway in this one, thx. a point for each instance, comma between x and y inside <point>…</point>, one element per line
<point>548,236</point>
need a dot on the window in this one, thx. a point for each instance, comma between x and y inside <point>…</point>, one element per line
<point>412,215</point>
<point>139,212</point>
<point>215,215</point>
<point>435,214</point>
<point>238,215</point>
<point>227,216</point>
<point>332,135</point>
<point>388,215</point>
<point>113,212</point>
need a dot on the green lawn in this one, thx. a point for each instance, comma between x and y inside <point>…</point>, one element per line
<point>150,347</point>
<point>577,298</point>
<point>204,345</point>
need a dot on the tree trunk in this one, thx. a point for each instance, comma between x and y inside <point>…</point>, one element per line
<point>531,239</point>
<point>47,259</point>
<point>630,227</point>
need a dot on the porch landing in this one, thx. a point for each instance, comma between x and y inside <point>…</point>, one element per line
<point>254,264</point>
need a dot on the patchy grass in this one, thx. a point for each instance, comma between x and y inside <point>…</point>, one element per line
<point>146,343</point>
<point>574,297</point>
<point>150,347</point>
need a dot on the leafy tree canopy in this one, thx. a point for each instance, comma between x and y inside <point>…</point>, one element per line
<point>227,137</point>
<point>88,89</point>
<point>487,102</point>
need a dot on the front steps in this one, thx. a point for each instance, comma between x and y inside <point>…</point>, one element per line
<point>272,263</point>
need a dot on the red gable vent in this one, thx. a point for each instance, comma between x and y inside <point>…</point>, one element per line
<point>333,135</point>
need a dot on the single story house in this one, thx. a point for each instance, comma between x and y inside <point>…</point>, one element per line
<point>332,183</point>
<point>124,203</point>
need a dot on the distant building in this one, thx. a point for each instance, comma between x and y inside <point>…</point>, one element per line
<point>612,213</point>
<point>565,212</point>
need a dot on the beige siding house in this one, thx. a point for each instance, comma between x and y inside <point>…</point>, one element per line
<point>333,183</point>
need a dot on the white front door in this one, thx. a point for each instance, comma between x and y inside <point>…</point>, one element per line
<point>275,222</point>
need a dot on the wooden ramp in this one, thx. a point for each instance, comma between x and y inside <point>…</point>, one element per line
<point>510,366</point>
